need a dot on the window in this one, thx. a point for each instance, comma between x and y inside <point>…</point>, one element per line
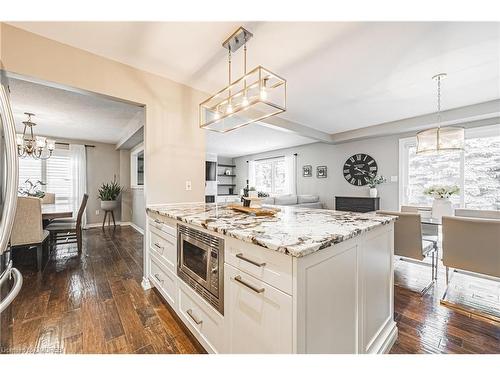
<point>270,175</point>
<point>476,171</point>
<point>137,166</point>
<point>55,172</point>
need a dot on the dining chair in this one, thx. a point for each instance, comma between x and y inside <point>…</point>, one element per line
<point>482,214</point>
<point>408,242</point>
<point>471,244</point>
<point>27,231</point>
<point>49,198</point>
<point>429,231</point>
<point>70,231</point>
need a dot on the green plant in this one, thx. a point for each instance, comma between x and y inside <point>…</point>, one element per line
<point>109,191</point>
<point>31,189</point>
<point>375,180</point>
<point>442,191</point>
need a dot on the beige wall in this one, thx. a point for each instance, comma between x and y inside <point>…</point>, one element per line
<point>103,163</point>
<point>174,144</point>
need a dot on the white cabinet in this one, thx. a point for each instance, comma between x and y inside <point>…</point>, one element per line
<point>164,246</point>
<point>258,316</point>
<point>202,319</point>
<point>164,280</point>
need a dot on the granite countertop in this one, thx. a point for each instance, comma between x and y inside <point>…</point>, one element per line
<point>295,231</point>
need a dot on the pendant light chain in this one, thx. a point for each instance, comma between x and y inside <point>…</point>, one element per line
<point>439,101</point>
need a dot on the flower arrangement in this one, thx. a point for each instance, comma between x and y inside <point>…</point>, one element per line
<point>375,180</point>
<point>442,191</point>
<point>31,189</point>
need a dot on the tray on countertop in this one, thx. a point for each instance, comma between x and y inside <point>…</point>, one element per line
<point>257,211</point>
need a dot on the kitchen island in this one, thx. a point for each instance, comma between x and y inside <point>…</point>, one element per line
<point>303,281</point>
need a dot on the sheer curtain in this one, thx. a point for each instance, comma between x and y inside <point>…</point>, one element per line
<point>79,176</point>
<point>291,174</point>
<point>251,173</point>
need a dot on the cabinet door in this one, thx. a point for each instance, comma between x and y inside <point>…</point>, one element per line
<point>258,316</point>
<point>164,280</point>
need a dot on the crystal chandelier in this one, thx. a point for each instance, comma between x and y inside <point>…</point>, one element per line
<point>256,95</point>
<point>449,138</point>
<point>29,145</point>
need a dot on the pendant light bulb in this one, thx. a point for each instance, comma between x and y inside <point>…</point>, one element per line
<point>263,93</point>
<point>244,101</point>
<point>229,108</point>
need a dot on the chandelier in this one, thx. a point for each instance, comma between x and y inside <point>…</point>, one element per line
<point>256,95</point>
<point>29,145</point>
<point>449,138</point>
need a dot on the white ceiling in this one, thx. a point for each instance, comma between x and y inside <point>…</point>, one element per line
<point>251,139</point>
<point>66,114</point>
<point>340,75</point>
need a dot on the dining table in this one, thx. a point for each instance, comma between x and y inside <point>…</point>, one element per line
<point>52,211</point>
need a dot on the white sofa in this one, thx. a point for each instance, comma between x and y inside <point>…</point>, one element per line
<point>305,200</point>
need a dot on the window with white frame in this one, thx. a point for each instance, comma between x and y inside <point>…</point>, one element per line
<point>55,172</point>
<point>270,175</point>
<point>476,171</point>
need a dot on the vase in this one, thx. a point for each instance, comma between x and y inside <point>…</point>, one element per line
<point>109,205</point>
<point>441,207</point>
<point>373,192</point>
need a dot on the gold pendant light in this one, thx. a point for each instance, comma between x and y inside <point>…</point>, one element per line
<point>449,138</point>
<point>255,96</point>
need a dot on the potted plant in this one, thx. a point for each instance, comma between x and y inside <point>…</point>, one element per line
<point>441,206</point>
<point>373,182</point>
<point>108,194</point>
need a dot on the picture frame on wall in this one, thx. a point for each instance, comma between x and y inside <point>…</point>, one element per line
<point>307,171</point>
<point>321,171</point>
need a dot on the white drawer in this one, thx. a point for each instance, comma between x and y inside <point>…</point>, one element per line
<point>164,280</point>
<point>267,265</point>
<point>202,319</point>
<point>163,224</point>
<point>259,317</point>
<point>164,246</point>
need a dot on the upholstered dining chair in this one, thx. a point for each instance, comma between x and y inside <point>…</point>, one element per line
<point>471,244</point>
<point>481,214</point>
<point>70,231</point>
<point>49,198</point>
<point>27,231</point>
<point>408,242</point>
<point>429,232</point>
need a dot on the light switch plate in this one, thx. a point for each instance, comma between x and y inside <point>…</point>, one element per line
<point>97,212</point>
<point>394,178</point>
<point>188,185</point>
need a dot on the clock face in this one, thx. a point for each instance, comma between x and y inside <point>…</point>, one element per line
<point>358,168</point>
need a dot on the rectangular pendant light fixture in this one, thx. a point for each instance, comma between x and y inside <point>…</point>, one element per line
<point>253,97</point>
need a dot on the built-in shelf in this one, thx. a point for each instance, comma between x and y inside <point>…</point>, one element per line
<point>226,165</point>
<point>225,195</point>
<point>226,184</point>
<point>226,175</point>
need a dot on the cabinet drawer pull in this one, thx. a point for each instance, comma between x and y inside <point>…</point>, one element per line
<point>240,256</point>
<point>190,313</point>
<point>255,289</point>
<point>158,246</point>
<point>157,277</point>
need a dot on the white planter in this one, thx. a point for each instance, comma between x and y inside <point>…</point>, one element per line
<point>109,205</point>
<point>441,207</point>
<point>373,192</point>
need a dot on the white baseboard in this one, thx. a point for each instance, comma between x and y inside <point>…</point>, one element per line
<point>120,223</point>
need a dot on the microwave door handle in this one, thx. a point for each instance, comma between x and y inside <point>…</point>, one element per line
<point>11,163</point>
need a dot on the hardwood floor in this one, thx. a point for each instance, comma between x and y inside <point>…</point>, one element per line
<point>426,326</point>
<point>94,303</point>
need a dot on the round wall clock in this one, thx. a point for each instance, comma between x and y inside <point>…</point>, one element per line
<point>358,168</point>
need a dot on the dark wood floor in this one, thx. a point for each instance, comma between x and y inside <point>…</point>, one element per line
<point>94,303</point>
<point>425,326</point>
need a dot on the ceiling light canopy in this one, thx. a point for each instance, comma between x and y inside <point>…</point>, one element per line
<point>256,95</point>
<point>449,138</point>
